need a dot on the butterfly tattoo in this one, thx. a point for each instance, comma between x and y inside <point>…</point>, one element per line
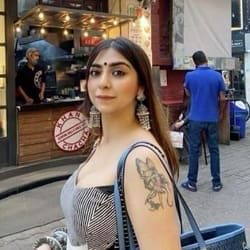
<point>156,183</point>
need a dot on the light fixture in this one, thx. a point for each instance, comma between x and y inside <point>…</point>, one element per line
<point>92,20</point>
<point>104,35</point>
<point>18,29</point>
<point>86,33</point>
<point>67,17</point>
<point>41,15</point>
<point>65,32</point>
<point>42,31</point>
<point>115,22</point>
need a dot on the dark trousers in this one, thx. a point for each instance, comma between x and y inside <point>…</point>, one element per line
<point>195,130</point>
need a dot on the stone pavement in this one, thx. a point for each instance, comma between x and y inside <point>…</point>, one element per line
<point>231,204</point>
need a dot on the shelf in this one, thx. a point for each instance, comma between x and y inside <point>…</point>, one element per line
<point>79,19</point>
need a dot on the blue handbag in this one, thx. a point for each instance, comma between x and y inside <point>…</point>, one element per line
<point>218,237</point>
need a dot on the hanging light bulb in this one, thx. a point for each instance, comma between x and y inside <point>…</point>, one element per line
<point>18,29</point>
<point>104,35</point>
<point>85,34</point>
<point>41,15</point>
<point>67,17</point>
<point>65,32</point>
<point>115,22</point>
<point>92,20</point>
<point>42,31</point>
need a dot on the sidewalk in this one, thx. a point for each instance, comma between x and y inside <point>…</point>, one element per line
<point>231,204</point>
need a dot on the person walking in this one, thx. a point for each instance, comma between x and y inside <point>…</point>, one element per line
<point>206,88</point>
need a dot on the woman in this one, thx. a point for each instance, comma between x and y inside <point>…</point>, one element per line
<point>119,88</point>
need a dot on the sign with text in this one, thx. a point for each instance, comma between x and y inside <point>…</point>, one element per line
<point>71,131</point>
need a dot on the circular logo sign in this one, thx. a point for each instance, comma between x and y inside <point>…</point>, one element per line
<point>71,131</point>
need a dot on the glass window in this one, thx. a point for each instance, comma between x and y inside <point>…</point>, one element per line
<point>2,29</point>
<point>2,60</point>
<point>3,123</point>
<point>2,7</point>
<point>2,91</point>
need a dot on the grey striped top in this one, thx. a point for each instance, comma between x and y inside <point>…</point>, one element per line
<point>90,215</point>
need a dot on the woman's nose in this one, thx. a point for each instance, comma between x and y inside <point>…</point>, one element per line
<point>104,80</point>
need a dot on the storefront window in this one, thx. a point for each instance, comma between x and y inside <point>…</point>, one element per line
<point>3,123</point>
<point>2,5</point>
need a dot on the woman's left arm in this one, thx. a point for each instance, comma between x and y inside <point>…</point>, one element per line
<point>150,202</point>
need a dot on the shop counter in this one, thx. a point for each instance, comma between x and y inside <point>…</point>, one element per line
<point>35,130</point>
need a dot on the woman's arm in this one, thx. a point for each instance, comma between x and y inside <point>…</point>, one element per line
<point>150,202</point>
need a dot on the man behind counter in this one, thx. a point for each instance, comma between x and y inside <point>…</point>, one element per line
<point>30,79</point>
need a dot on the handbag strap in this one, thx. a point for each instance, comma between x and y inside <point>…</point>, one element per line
<point>119,183</point>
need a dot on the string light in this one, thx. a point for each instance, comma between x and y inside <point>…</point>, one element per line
<point>41,15</point>
<point>42,31</point>
<point>65,32</point>
<point>115,22</point>
<point>92,20</point>
<point>67,17</point>
<point>85,34</point>
<point>104,35</point>
<point>18,29</point>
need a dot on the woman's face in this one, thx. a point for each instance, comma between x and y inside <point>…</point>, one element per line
<point>113,83</point>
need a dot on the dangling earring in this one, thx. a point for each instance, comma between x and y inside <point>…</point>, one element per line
<point>142,113</point>
<point>94,118</point>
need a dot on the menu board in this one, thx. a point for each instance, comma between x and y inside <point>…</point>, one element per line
<point>140,29</point>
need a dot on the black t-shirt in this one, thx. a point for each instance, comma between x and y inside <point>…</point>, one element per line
<point>30,81</point>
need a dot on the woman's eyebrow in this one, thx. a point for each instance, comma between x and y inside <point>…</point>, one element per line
<point>113,64</point>
<point>119,63</point>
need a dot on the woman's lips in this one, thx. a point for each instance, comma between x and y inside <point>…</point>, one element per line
<point>104,97</point>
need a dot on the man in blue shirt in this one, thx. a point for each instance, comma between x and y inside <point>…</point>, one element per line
<point>205,87</point>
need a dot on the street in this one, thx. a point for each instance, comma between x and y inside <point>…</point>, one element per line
<point>32,214</point>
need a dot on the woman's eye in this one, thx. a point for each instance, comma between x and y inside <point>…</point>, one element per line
<point>94,73</point>
<point>118,73</point>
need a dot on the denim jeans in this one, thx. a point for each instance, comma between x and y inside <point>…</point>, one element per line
<point>195,132</point>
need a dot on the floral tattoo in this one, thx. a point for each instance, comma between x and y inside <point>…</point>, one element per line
<point>155,182</point>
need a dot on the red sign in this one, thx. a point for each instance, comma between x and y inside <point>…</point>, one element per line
<point>71,131</point>
<point>89,40</point>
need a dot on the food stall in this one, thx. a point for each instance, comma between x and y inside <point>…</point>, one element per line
<point>64,32</point>
<point>35,129</point>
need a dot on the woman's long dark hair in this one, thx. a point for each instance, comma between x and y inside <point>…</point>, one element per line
<point>139,60</point>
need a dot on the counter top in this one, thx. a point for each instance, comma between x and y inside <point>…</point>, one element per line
<point>47,104</point>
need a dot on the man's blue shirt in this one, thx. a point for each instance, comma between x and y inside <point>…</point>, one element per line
<point>204,85</point>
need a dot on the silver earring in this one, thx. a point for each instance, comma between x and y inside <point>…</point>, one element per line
<point>94,118</point>
<point>143,113</point>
